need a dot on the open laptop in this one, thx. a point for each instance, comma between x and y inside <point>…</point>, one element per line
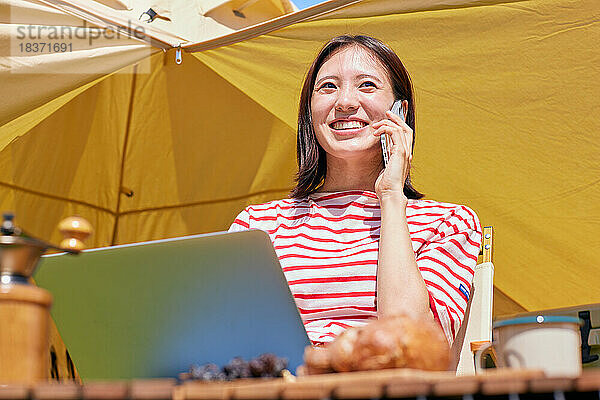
<point>152,309</point>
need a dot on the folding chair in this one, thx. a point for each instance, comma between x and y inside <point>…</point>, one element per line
<point>476,329</point>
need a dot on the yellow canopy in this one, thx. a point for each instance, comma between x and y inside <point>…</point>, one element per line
<point>506,123</point>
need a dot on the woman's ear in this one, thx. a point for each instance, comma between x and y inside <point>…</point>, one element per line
<point>405,108</point>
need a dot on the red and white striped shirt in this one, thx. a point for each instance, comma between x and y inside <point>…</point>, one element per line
<point>327,244</point>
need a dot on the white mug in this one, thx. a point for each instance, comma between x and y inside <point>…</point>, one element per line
<point>549,343</point>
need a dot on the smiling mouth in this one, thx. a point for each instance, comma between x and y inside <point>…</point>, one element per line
<point>347,125</point>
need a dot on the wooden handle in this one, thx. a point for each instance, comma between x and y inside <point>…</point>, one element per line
<point>75,231</point>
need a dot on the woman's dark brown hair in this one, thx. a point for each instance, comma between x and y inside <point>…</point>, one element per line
<point>312,164</point>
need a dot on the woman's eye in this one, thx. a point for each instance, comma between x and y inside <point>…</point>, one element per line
<point>327,85</point>
<point>368,84</point>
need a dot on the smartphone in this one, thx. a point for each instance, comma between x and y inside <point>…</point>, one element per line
<point>386,144</point>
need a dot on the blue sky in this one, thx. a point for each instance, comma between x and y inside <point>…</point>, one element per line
<point>305,3</point>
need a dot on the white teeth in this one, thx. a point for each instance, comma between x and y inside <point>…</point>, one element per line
<point>348,124</point>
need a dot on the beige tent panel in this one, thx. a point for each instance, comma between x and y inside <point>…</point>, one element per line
<point>270,25</point>
<point>201,20</point>
<point>26,122</point>
<point>116,4</point>
<point>200,217</point>
<point>198,138</point>
<point>32,12</point>
<point>82,53</point>
<point>282,6</point>
<point>77,150</point>
<point>238,14</point>
<point>41,215</point>
<point>31,80</point>
<point>177,21</point>
<point>275,81</point>
<point>185,153</point>
<point>506,124</point>
<point>29,90</point>
<point>203,142</point>
<point>104,16</point>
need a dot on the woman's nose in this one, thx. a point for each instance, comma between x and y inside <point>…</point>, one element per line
<point>346,101</point>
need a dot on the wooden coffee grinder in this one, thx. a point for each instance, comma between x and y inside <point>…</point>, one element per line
<point>24,307</point>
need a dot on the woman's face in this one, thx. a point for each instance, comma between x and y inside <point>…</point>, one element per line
<point>352,91</point>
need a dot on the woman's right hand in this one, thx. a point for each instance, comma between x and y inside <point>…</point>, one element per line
<point>390,182</point>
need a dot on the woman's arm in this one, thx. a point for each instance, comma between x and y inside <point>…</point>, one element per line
<point>400,286</point>
<point>448,260</point>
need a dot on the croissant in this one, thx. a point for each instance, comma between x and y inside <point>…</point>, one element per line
<point>393,342</point>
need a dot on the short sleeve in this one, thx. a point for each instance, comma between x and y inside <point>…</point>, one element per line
<point>241,222</point>
<point>447,264</point>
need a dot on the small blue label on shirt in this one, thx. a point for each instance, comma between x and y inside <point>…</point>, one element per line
<point>464,291</point>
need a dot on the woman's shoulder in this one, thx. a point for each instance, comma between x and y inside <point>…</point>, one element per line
<point>264,216</point>
<point>444,212</point>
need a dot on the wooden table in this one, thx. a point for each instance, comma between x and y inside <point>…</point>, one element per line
<point>499,384</point>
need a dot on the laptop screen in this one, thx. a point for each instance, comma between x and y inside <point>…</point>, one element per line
<point>152,309</point>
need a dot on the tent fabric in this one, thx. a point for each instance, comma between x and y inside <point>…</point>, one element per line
<point>505,124</point>
<point>46,81</point>
<point>36,79</point>
<point>320,9</point>
<point>32,82</point>
<point>153,134</point>
<point>179,21</point>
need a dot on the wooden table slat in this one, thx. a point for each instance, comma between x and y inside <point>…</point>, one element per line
<point>198,390</point>
<point>506,381</point>
<point>359,391</point>
<point>409,388</point>
<point>508,386</point>
<point>456,387</point>
<point>212,392</point>
<point>56,391</point>
<point>307,391</point>
<point>549,385</point>
<point>261,390</point>
<point>106,390</point>
<point>14,392</point>
<point>497,374</point>
<point>152,389</point>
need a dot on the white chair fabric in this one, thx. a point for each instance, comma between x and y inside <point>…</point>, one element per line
<point>477,325</point>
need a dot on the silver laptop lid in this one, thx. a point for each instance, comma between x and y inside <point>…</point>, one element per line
<point>152,309</point>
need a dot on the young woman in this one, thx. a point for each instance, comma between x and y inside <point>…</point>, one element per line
<point>355,240</point>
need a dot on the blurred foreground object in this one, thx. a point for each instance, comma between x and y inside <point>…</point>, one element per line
<point>75,230</point>
<point>395,342</point>
<point>24,307</point>
<point>267,365</point>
